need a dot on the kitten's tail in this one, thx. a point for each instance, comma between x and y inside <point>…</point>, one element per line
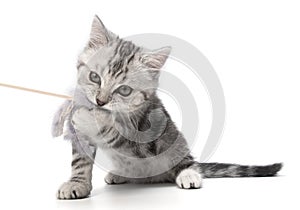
<point>218,170</point>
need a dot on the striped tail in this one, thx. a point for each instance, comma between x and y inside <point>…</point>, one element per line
<point>218,170</point>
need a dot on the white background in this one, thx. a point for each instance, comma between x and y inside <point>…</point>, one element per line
<point>254,47</point>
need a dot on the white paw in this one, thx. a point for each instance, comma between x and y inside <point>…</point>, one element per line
<point>114,179</point>
<point>84,121</point>
<point>189,179</point>
<point>73,190</point>
<point>90,122</point>
<point>81,116</point>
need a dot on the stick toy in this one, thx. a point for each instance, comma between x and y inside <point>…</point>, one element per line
<point>36,91</point>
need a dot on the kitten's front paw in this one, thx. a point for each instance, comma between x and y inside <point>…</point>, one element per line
<point>83,120</point>
<point>114,179</point>
<point>189,179</point>
<point>90,121</point>
<point>82,116</point>
<point>73,190</point>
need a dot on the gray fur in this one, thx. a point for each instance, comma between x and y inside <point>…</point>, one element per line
<point>216,170</point>
<point>135,132</point>
<point>60,118</point>
<point>80,183</point>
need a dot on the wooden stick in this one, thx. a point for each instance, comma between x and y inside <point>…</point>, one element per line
<point>36,91</point>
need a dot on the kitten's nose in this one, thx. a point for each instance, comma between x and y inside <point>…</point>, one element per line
<point>100,103</point>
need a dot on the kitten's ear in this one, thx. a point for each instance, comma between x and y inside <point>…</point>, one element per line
<point>156,58</point>
<point>99,35</point>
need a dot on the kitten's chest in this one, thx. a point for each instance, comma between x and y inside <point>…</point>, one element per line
<point>125,163</point>
<point>129,159</point>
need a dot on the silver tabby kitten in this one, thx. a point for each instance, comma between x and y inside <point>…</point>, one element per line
<point>115,109</point>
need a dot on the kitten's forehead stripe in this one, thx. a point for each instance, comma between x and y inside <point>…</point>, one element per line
<point>117,47</point>
<point>126,69</point>
<point>123,78</point>
<point>130,59</point>
<point>118,74</point>
<point>114,54</point>
<point>124,51</point>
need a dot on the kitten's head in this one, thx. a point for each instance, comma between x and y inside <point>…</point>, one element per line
<point>116,74</point>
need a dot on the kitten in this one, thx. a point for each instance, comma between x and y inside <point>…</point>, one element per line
<point>116,109</point>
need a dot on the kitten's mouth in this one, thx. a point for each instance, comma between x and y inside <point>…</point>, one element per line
<point>104,108</point>
<point>102,105</point>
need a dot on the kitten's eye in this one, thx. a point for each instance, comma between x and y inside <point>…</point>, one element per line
<point>94,77</point>
<point>124,90</point>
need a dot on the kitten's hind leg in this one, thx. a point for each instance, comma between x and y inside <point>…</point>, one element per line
<point>111,178</point>
<point>189,178</point>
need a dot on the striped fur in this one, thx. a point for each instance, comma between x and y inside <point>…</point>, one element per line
<point>134,130</point>
<point>217,170</point>
<point>80,183</point>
